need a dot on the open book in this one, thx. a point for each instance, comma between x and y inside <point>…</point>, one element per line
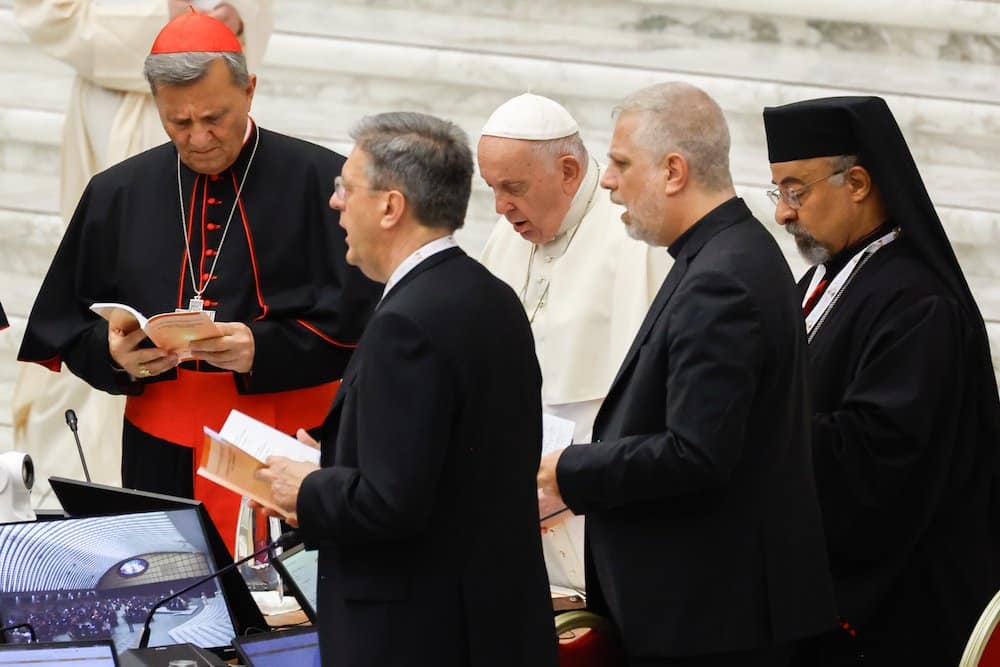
<point>171,332</point>
<point>232,456</point>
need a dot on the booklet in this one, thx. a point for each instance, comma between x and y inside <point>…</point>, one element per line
<point>229,466</point>
<point>232,456</point>
<point>171,332</point>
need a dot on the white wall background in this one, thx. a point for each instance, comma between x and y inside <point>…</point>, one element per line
<point>935,61</point>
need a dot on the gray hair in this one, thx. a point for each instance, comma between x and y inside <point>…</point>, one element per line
<point>678,117</point>
<point>426,158</point>
<point>556,148</point>
<point>179,69</point>
<point>841,163</point>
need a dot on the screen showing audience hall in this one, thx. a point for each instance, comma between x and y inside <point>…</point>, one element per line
<point>97,578</point>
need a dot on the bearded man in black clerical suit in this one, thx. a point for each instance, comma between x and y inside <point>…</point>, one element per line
<point>703,535</point>
<point>905,424</point>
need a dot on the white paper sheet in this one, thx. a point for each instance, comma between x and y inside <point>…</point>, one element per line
<point>557,433</point>
<point>260,440</point>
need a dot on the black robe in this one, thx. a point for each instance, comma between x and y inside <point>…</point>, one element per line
<point>281,268</point>
<point>902,468</point>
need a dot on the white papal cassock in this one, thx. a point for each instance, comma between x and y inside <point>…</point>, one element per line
<point>586,293</point>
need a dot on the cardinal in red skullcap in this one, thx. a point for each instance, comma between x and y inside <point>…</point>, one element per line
<point>110,115</point>
<point>226,217</point>
<point>193,31</point>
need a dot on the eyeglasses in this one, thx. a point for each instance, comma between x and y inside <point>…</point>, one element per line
<point>793,198</point>
<point>340,190</point>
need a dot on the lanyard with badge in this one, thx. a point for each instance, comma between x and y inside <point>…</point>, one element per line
<point>197,302</point>
<point>818,314</point>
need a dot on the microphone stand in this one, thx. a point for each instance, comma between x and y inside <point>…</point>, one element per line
<point>283,540</point>
<point>71,422</point>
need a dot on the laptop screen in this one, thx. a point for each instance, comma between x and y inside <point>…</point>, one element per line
<point>83,654</point>
<point>279,649</point>
<point>97,578</point>
<point>81,498</point>
<point>298,568</point>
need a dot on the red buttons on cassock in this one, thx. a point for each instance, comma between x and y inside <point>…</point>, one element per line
<point>213,200</point>
<point>209,252</point>
<point>214,177</point>
<point>205,277</point>
<point>212,226</point>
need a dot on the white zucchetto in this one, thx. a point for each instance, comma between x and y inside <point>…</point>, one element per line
<point>531,117</point>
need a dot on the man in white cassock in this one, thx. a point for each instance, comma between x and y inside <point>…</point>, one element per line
<point>584,284</point>
<point>110,115</point>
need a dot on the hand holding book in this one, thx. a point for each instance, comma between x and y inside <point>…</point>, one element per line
<point>233,350</point>
<point>170,332</point>
<point>259,462</point>
<point>139,362</point>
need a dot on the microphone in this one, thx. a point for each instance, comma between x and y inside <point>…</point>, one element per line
<point>284,540</point>
<point>71,422</point>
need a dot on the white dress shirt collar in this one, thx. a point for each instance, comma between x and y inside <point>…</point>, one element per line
<point>419,255</point>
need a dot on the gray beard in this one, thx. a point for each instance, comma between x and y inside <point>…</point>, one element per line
<point>639,234</point>
<point>811,250</point>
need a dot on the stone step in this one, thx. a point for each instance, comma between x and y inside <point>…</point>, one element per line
<point>772,41</point>
<point>953,16</point>
<point>940,100</point>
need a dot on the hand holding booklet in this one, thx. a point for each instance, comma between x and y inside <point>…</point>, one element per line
<point>232,456</point>
<point>171,332</point>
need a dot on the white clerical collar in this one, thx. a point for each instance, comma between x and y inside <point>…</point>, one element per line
<point>582,200</point>
<point>421,253</point>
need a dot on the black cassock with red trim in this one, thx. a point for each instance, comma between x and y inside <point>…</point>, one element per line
<point>280,269</point>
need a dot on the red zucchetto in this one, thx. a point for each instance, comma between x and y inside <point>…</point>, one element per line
<point>192,31</point>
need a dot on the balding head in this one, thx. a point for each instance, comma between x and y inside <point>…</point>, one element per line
<point>680,118</point>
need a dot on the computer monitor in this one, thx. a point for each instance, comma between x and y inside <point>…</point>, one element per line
<point>279,649</point>
<point>71,654</point>
<point>97,578</point>
<point>298,569</point>
<point>79,498</point>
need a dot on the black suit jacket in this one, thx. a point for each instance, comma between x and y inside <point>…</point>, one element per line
<point>425,511</point>
<point>703,528</point>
